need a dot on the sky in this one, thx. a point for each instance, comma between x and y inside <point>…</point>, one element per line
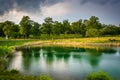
<point>108,11</point>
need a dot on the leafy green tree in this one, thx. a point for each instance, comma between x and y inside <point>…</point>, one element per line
<point>35,30</point>
<point>15,31</point>
<point>57,28</point>
<point>110,30</point>
<point>66,27</point>
<point>78,28</point>
<point>93,22</point>
<point>8,28</point>
<point>47,26</point>
<point>93,27</point>
<point>25,26</point>
<point>92,33</point>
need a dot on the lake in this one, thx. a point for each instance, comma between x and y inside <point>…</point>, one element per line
<point>66,63</point>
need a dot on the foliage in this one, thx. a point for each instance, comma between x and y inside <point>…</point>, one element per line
<point>78,28</point>
<point>93,22</point>
<point>47,26</point>
<point>25,26</point>
<point>44,77</point>
<point>7,46</point>
<point>30,29</point>
<point>1,29</point>
<point>98,76</point>
<point>3,63</point>
<point>15,75</point>
<point>57,28</point>
<point>110,30</point>
<point>14,71</point>
<point>66,27</point>
<point>8,28</point>
<point>15,31</point>
<point>35,29</point>
<point>92,33</point>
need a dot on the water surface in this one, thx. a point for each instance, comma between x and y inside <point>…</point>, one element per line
<point>63,63</point>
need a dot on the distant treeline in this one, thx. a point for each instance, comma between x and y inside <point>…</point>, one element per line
<point>27,28</point>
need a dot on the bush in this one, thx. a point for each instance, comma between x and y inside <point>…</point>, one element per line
<point>3,64</point>
<point>14,71</point>
<point>98,76</point>
<point>44,77</point>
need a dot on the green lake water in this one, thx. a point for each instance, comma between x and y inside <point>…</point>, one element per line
<point>66,63</point>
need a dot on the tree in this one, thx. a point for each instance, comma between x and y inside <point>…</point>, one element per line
<point>92,33</point>
<point>35,30</point>
<point>15,31</point>
<point>25,26</point>
<point>110,30</point>
<point>8,28</point>
<point>47,26</point>
<point>93,22</point>
<point>57,28</point>
<point>66,27</point>
<point>93,27</point>
<point>78,28</point>
<point>1,29</point>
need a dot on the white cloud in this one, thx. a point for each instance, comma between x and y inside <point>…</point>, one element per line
<point>13,15</point>
<point>58,9</point>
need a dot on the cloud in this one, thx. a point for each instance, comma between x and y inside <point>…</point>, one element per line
<point>37,10</point>
<point>15,16</point>
<point>58,9</point>
<point>101,2</point>
<point>24,5</point>
<point>14,10</point>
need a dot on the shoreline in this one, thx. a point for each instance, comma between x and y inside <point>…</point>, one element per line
<point>63,44</point>
<point>77,44</point>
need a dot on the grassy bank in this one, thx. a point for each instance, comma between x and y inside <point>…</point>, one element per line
<point>79,42</point>
<point>15,75</point>
<point>6,46</point>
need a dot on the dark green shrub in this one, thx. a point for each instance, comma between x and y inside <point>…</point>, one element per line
<point>98,76</point>
<point>14,71</point>
<point>3,63</point>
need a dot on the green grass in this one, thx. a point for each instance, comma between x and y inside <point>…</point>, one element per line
<point>15,75</point>
<point>85,40</point>
<point>60,36</point>
<point>98,76</point>
<point>91,40</point>
<point>6,46</point>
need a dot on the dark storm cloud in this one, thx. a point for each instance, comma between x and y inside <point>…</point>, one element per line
<point>5,5</point>
<point>24,5</point>
<point>101,2</point>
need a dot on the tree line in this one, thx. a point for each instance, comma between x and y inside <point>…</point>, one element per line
<point>86,28</point>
